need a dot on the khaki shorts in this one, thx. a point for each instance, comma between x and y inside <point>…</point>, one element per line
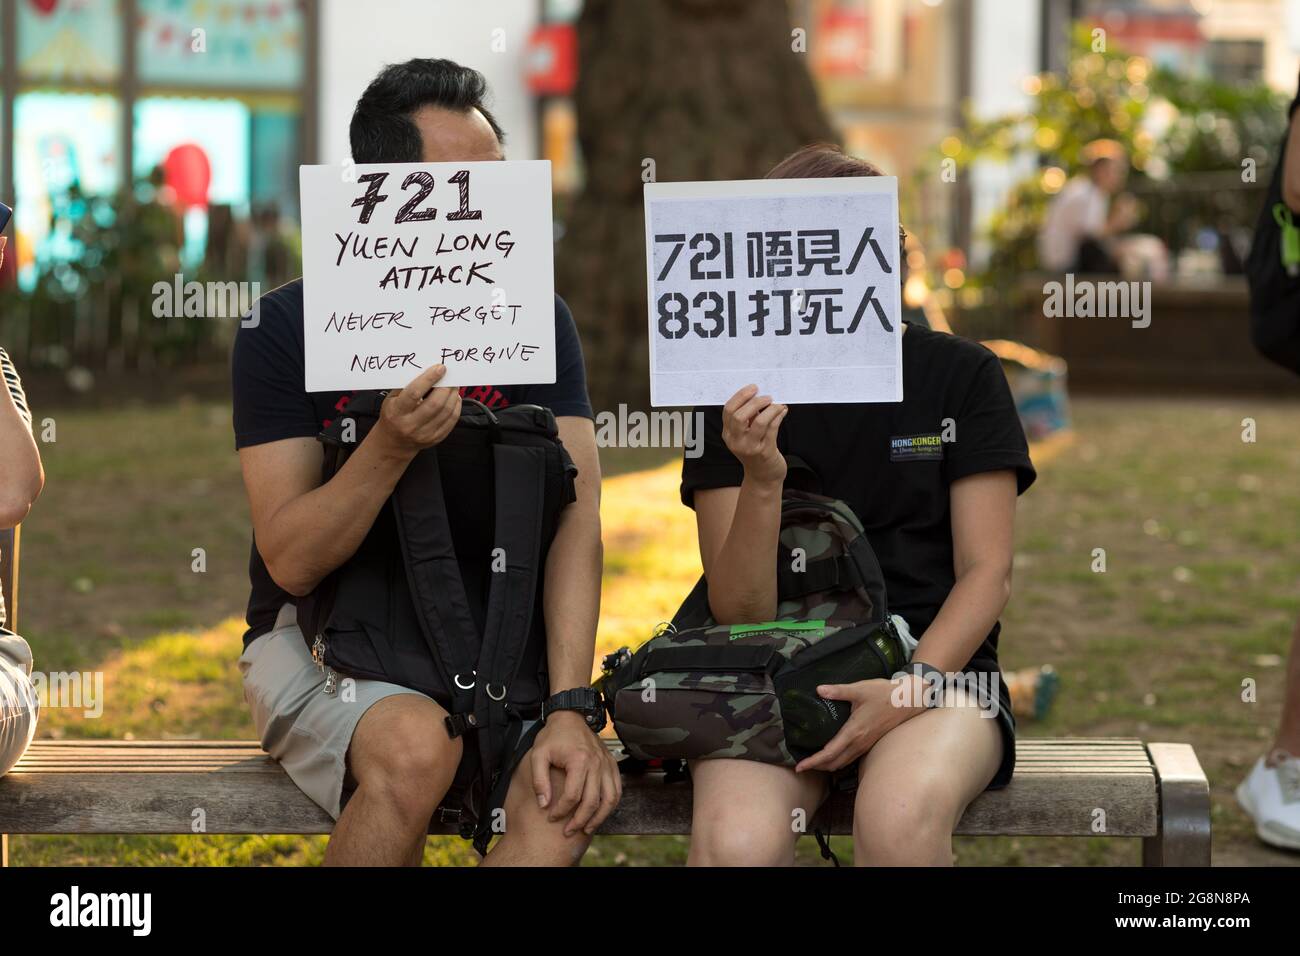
<point>305,729</point>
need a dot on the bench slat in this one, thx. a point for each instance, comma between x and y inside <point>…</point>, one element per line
<point>138,786</point>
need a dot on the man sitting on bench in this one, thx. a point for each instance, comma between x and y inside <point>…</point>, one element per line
<point>381,763</point>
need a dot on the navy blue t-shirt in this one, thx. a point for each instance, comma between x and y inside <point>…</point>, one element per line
<point>271,403</point>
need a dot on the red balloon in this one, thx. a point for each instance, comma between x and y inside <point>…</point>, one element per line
<point>189,174</point>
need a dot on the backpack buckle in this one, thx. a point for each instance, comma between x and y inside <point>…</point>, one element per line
<point>458,724</point>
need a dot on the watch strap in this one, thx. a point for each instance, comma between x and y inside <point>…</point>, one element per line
<point>576,698</point>
<point>930,677</point>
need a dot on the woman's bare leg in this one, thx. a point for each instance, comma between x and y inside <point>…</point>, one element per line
<point>748,813</point>
<point>917,781</point>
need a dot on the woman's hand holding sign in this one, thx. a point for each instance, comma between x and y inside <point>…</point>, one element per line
<point>750,422</point>
<point>420,415</point>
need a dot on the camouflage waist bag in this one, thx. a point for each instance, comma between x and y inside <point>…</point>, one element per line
<point>742,690</point>
<point>699,689</point>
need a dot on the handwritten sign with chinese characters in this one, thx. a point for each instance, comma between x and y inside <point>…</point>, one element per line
<point>409,265</point>
<point>791,284</point>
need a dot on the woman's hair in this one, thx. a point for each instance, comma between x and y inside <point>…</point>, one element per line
<point>828,161</point>
<point>821,161</point>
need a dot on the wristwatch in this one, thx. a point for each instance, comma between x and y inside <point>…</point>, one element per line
<point>585,700</point>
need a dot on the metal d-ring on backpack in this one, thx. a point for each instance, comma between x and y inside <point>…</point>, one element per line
<point>408,610</point>
<point>700,690</point>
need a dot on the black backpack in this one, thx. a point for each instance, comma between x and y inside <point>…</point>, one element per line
<point>444,595</point>
<point>1274,288</point>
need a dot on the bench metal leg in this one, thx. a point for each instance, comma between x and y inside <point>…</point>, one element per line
<point>1184,837</point>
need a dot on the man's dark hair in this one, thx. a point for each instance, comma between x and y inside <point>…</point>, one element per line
<point>382,129</point>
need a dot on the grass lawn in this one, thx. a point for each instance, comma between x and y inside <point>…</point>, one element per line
<point>1200,591</point>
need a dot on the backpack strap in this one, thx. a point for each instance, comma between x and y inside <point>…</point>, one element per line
<point>870,575</point>
<point>433,575</point>
<point>520,476</point>
<point>824,574</point>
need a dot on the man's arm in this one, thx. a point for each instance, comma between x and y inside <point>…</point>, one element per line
<point>983,515</point>
<point>304,530</point>
<point>592,786</point>
<point>21,475</point>
<point>573,567</point>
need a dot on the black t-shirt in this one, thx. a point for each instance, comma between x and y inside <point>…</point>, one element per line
<point>890,464</point>
<point>271,403</point>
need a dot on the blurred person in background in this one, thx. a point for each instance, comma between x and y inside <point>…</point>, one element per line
<point>21,479</point>
<point>1089,214</point>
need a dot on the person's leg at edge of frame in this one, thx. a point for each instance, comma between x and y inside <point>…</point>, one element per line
<point>403,763</point>
<point>916,782</point>
<point>1270,793</point>
<point>1288,733</point>
<point>747,813</point>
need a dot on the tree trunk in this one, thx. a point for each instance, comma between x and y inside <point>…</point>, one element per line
<point>672,90</point>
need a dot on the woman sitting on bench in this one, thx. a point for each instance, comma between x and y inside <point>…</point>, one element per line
<point>21,479</point>
<point>940,521</point>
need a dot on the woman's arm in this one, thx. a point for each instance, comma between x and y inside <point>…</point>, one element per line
<point>21,475</point>
<point>983,510</point>
<point>739,527</point>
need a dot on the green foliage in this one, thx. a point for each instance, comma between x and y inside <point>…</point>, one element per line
<point>1172,126</point>
<point>93,302</point>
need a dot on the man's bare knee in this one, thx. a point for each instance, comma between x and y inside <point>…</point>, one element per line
<point>401,752</point>
<point>530,837</point>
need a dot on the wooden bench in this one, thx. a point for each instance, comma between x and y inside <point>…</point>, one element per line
<point>1061,788</point>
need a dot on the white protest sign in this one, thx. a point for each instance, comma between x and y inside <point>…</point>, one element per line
<point>408,265</point>
<point>791,284</point>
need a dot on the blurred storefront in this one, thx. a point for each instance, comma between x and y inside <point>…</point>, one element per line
<point>194,104</point>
